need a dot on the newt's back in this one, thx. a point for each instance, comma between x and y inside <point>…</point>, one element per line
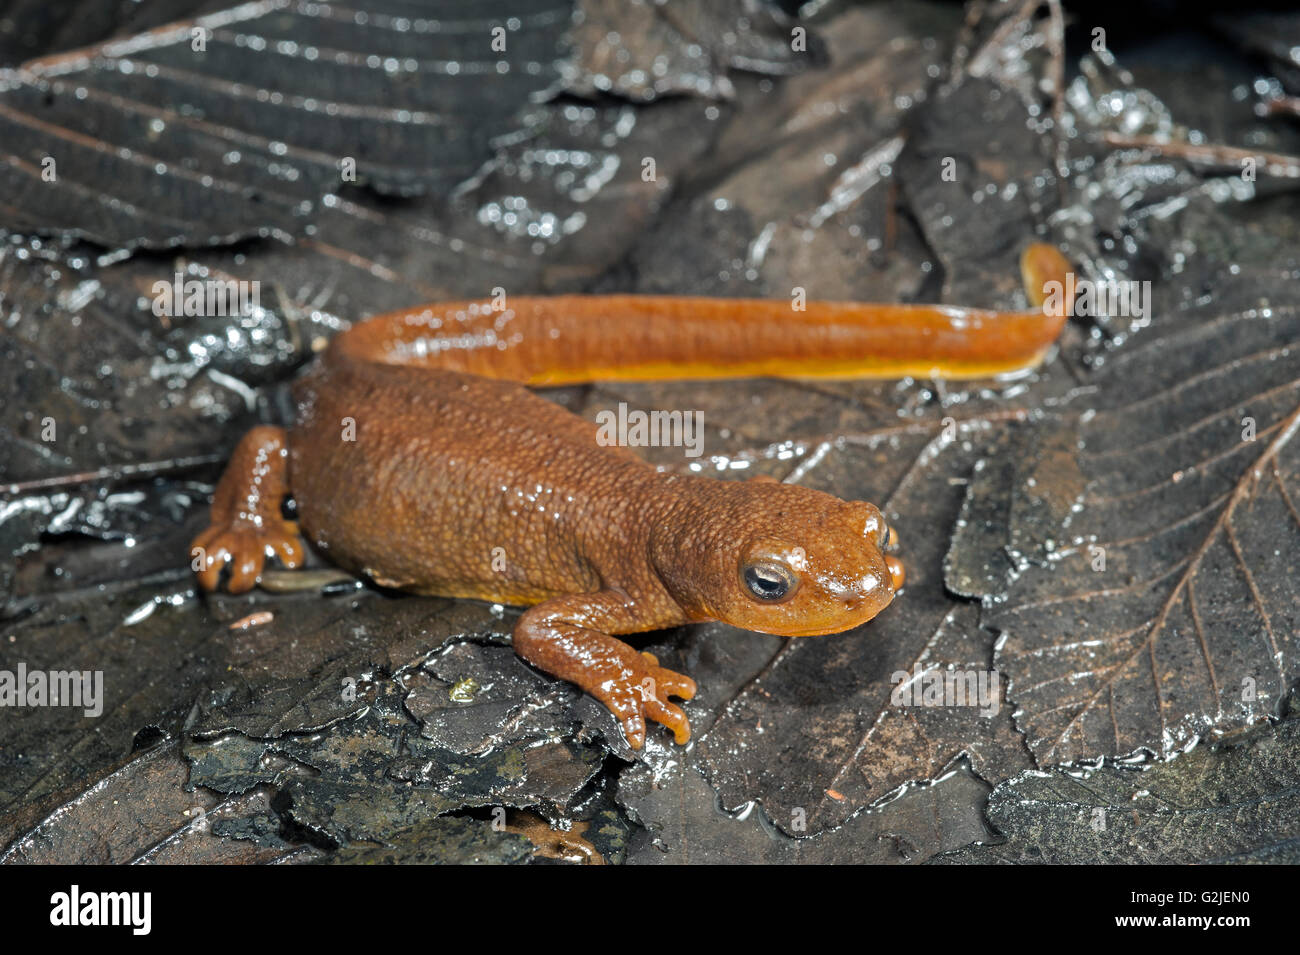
<point>438,481</point>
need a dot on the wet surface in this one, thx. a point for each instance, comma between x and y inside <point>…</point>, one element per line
<point>1232,802</point>
<point>1115,535</point>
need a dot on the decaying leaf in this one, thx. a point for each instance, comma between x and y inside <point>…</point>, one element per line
<point>139,811</point>
<point>369,775</point>
<point>248,142</point>
<point>1236,802</point>
<point>443,840</point>
<point>643,50</point>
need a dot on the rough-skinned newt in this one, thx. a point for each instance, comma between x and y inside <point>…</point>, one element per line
<point>420,460</point>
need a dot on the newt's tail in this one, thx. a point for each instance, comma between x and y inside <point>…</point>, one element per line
<point>566,339</point>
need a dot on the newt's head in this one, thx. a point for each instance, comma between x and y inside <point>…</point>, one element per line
<point>789,560</point>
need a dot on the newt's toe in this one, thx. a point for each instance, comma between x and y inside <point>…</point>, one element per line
<point>244,549</point>
<point>640,694</point>
<point>672,684</point>
<point>671,716</point>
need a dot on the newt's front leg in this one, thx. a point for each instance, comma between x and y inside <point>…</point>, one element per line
<point>247,526</point>
<point>569,637</point>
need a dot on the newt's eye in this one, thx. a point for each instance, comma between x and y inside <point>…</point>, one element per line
<point>770,581</point>
<point>885,536</point>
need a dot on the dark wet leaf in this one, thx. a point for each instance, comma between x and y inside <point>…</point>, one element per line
<point>977,563</point>
<point>1274,35</point>
<point>799,194</point>
<point>1156,603</point>
<point>63,541</point>
<point>159,651</point>
<point>139,811</point>
<point>153,657</point>
<point>103,382</point>
<point>321,660</point>
<point>1237,802</point>
<point>263,116</point>
<point>472,698</point>
<point>445,840</point>
<point>643,50</point>
<point>668,794</point>
<point>370,774</point>
<point>684,823</point>
<point>30,28</point>
<point>1011,169</point>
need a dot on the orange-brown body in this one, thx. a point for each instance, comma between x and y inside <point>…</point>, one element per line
<point>419,460</point>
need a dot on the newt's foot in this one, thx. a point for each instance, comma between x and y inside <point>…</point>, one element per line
<point>640,692</point>
<point>245,547</point>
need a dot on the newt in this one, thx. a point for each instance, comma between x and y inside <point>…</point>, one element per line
<point>420,460</point>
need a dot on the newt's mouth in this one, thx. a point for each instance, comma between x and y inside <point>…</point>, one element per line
<point>850,620</point>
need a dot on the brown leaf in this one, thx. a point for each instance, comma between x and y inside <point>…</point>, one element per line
<point>259,117</point>
<point>1159,607</point>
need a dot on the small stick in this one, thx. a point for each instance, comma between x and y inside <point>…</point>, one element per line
<point>1056,48</point>
<point>1275,164</point>
<point>114,474</point>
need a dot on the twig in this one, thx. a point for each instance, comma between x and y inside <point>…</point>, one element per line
<point>1056,49</point>
<point>1003,32</point>
<point>113,475</point>
<point>1280,106</point>
<point>1275,164</point>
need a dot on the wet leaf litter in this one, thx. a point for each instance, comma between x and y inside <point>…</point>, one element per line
<point>362,726</point>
